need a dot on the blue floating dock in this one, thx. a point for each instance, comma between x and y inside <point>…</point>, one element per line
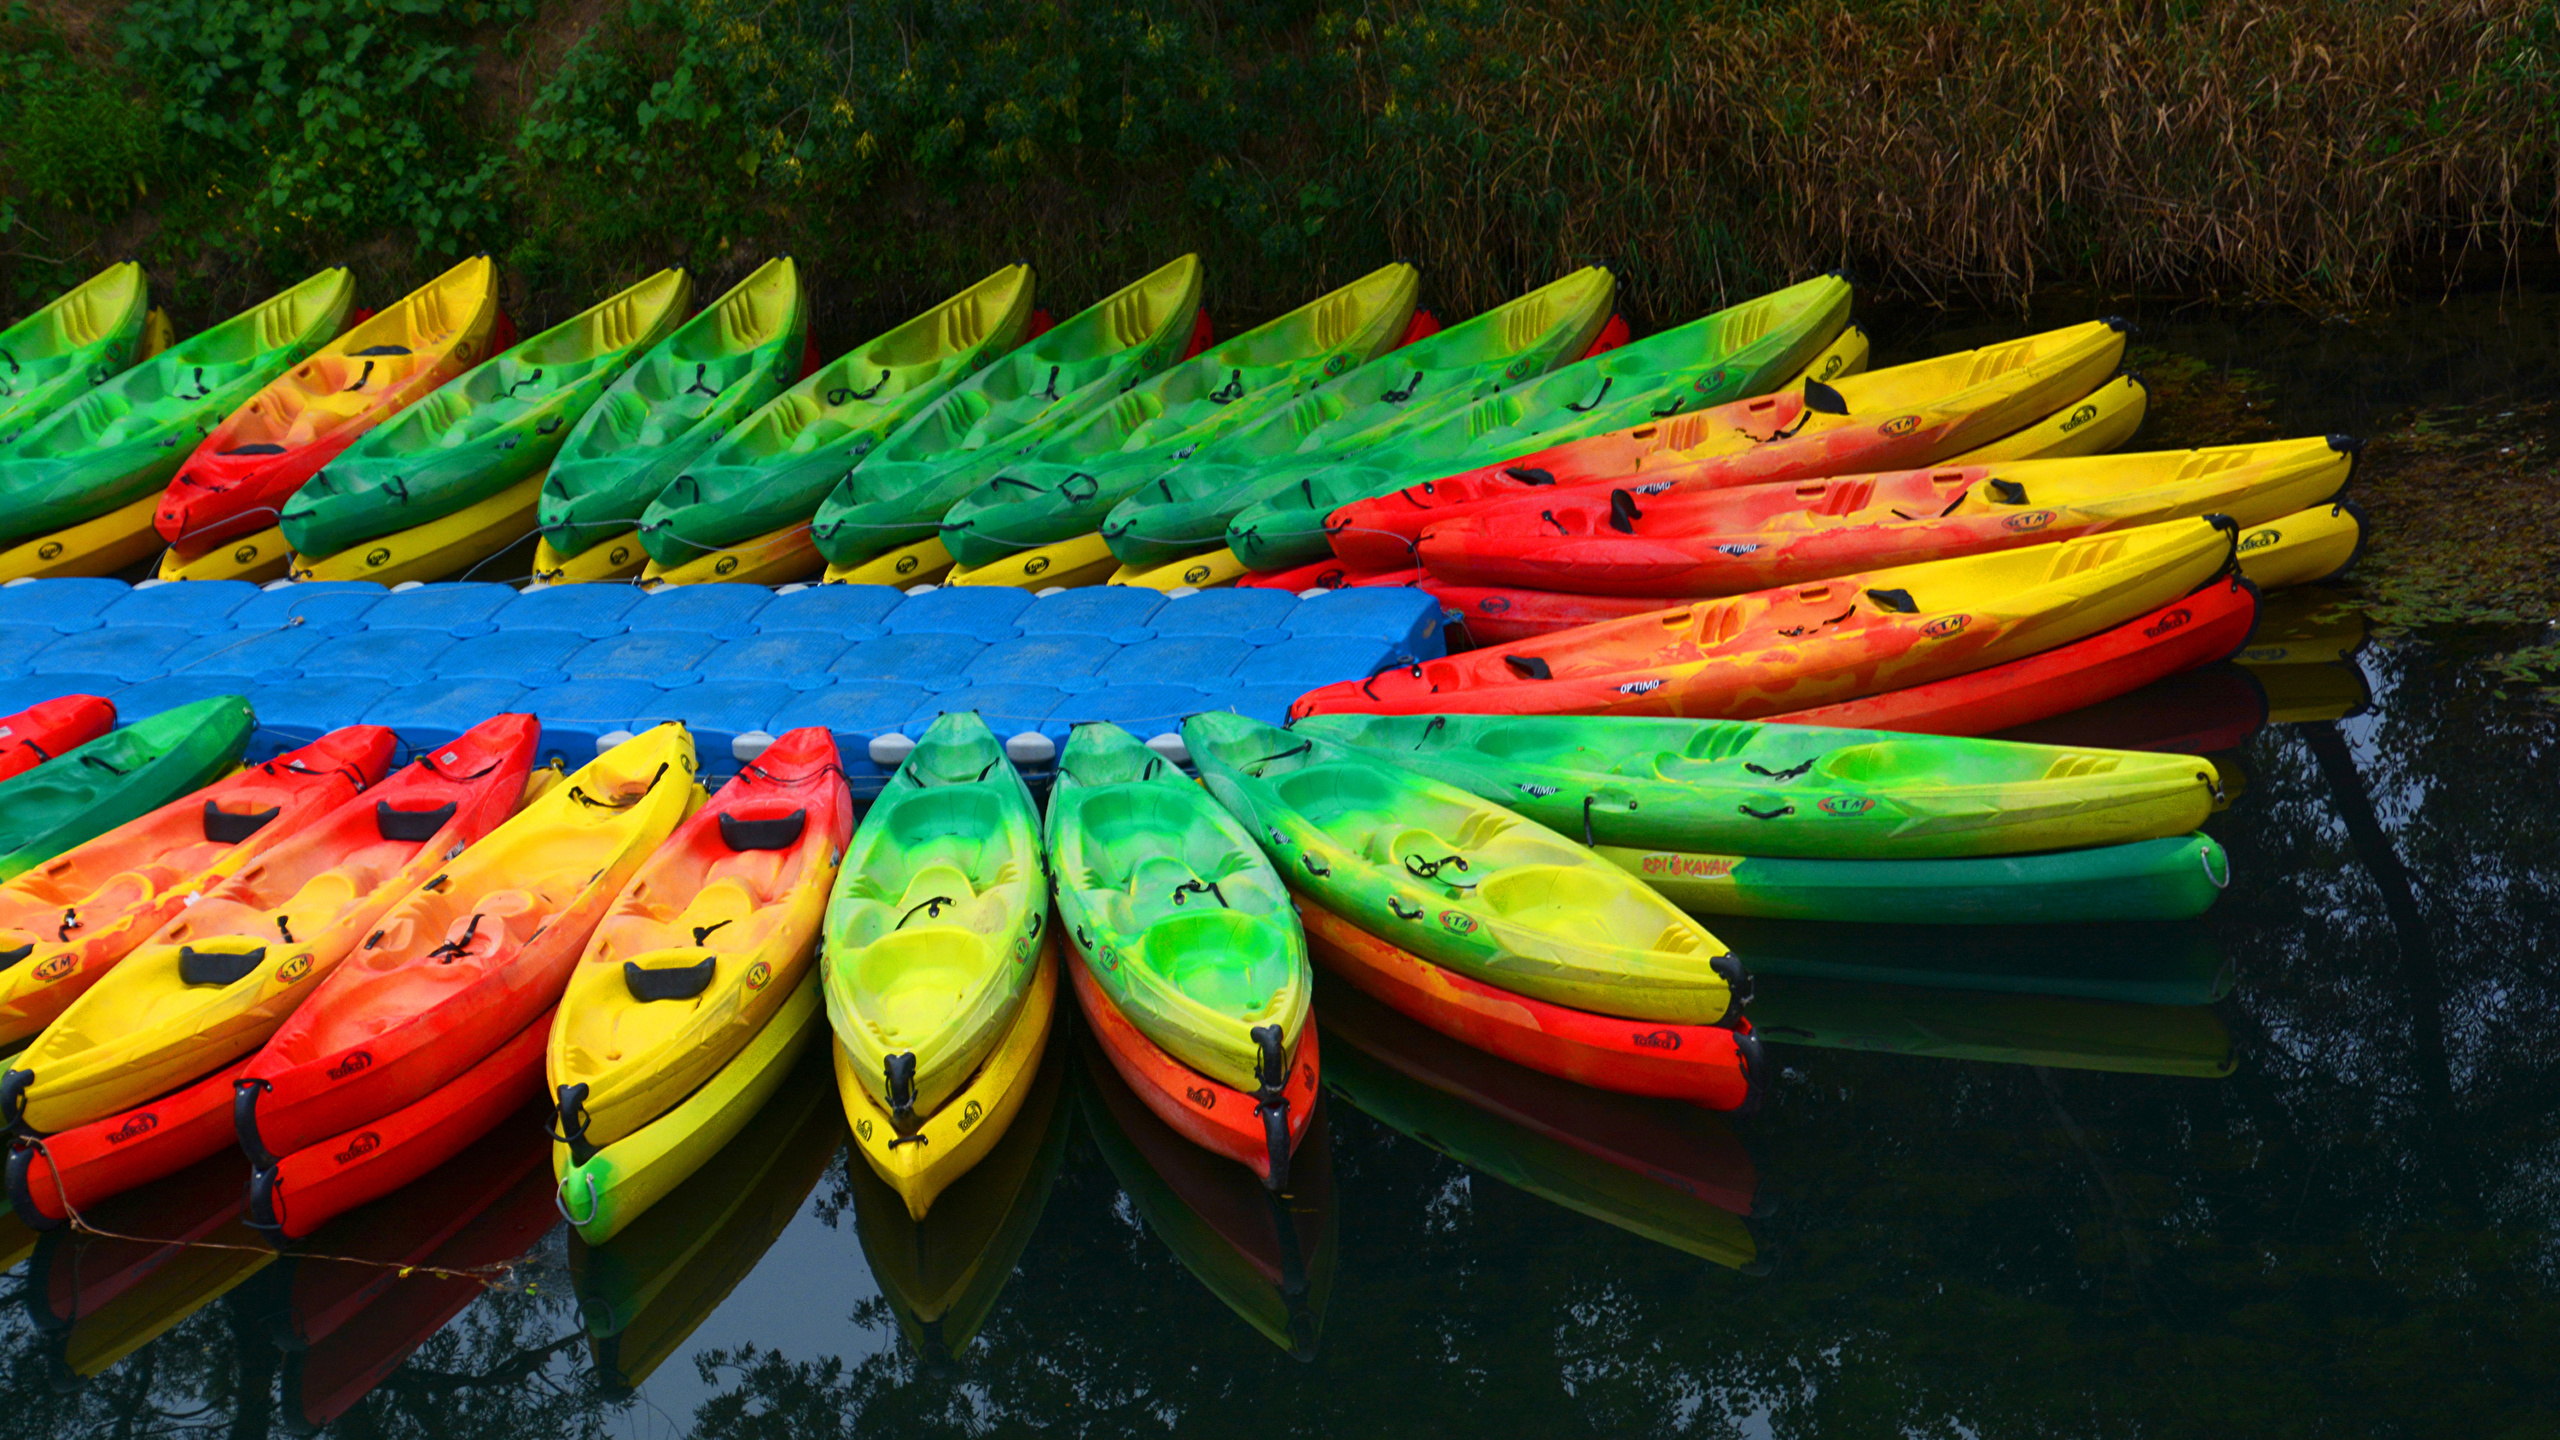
<point>865,661</point>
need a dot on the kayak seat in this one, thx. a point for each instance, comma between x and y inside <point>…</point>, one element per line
<point>1231,962</point>
<point>671,982</point>
<point>777,833</point>
<point>1581,905</point>
<point>919,979</point>
<point>218,967</point>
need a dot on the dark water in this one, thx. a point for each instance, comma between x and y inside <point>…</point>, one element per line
<point>2291,1170</point>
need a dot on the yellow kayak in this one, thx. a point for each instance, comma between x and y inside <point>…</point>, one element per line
<point>84,338</point>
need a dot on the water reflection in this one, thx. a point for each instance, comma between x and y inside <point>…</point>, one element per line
<point>2286,1170</point>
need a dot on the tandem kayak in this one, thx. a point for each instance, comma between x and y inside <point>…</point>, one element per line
<point>1459,880</point>
<point>1789,790</point>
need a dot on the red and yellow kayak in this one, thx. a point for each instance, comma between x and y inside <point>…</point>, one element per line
<point>238,480</point>
<point>44,730</point>
<point>1695,540</point>
<point>66,922</point>
<point>1209,1113</point>
<point>1887,419</point>
<point>1752,656</point>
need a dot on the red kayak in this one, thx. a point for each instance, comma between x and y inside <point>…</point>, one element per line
<point>1678,1145</point>
<point>1212,1115</point>
<point>1892,419</point>
<point>1703,1064</point>
<point>2194,630</point>
<point>51,1177</point>
<point>306,1188</point>
<point>42,731</point>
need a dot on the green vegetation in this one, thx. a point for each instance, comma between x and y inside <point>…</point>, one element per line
<point>2305,150</point>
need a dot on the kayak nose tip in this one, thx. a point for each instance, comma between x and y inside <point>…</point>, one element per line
<point>13,1097</point>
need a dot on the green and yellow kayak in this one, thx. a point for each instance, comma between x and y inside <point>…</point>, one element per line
<point>775,468</point>
<point>1068,485</point>
<point>85,337</point>
<point>933,945</point>
<point>1748,349</point>
<point>499,424</point>
<point>1791,790</point>
<point>673,404</point>
<point>85,792</point>
<point>1175,909</point>
<point>1183,506</point>
<point>119,444</point>
<point>1460,881</point>
<point>895,495</point>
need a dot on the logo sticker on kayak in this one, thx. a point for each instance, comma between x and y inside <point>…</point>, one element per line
<point>1338,364</point>
<point>49,550</point>
<point>1847,805</point>
<point>2080,417</point>
<point>134,1128</point>
<point>862,1128</point>
<point>1687,867</point>
<point>1195,574</point>
<point>759,975</point>
<point>725,565</point>
<point>970,1115</point>
<point>1900,425</point>
<point>2260,540</point>
<point>1738,547</point>
<point>1494,604</point>
<point>57,967</point>
<point>1458,922</point>
<point>1655,1039</point>
<point>377,557</point>
<point>358,1148</point>
<point>295,968</point>
<point>1946,625</point>
<point>1036,565</point>
<point>1201,1096</point>
<point>1639,687</point>
<point>2175,620</point>
<point>621,555</point>
<point>1022,948</point>
<point>2032,520</point>
<point>356,1063</point>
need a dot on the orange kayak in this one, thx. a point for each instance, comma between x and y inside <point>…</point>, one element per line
<point>40,732</point>
<point>66,922</point>
<point>239,478</point>
<point>1889,419</point>
<point>212,984</point>
<point>1750,656</point>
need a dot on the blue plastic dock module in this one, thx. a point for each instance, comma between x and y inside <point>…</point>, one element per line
<point>728,660</point>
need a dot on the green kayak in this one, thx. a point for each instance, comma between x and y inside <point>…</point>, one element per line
<point>1068,485</point>
<point>1460,881</point>
<point>2169,879</point>
<point>85,338</point>
<point>675,402</point>
<point>122,441</point>
<point>1540,1164</point>
<point>496,426</point>
<point>1269,1258</point>
<point>122,775</point>
<point>1792,790</point>
<point>896,494</point>
<point>1184,507</point>
<point>774,469</point>
<point>1749,349</point>
<point>933,932</point>
<point>2065,1034</point>
<point>1175,909</point>
<point>644,1291</point>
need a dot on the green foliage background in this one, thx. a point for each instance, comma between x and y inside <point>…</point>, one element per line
<point>2311,150</point>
